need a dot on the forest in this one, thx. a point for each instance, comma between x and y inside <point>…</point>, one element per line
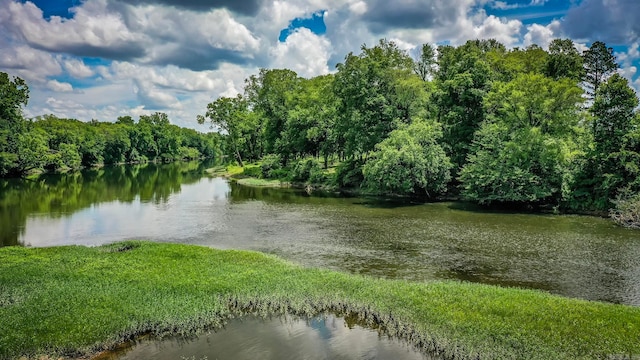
<point>54,144</point>
<point>557,128</point>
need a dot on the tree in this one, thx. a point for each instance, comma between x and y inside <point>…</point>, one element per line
<point>228,114</point>
<point>613,111</point>
<point>14,94</point>
<point>599,63</point>
<point>425,65</point>
<point>366,87</point>
<point>409,161</point>
<point>564,60</point>
<point>462,80</point>
<point>613,167</point>
<point>310,123</point>
<point>270,95</point>
<point>523,151</point>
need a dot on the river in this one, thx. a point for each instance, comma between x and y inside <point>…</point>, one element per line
<point>575,256</point>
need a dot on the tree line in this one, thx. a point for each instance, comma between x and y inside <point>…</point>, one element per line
<point>55,144</point>
<point>552,127</point>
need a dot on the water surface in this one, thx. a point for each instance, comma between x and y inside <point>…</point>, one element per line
<point>282,338</point>
<point>576,256</point>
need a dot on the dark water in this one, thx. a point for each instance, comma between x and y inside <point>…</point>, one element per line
<point>275,339</point>
<point>576,256</point>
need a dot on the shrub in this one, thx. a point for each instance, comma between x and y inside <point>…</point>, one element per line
<point>252,171</point>
<point>627,212</point>
<point>270,165</point>
<point>349,174</point>
<point>303,169</point>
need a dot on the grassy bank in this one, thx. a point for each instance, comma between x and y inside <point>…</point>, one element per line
<point>76,300</point>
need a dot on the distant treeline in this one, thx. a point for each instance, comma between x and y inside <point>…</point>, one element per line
<point>530,126</point>
<point>54,144</point>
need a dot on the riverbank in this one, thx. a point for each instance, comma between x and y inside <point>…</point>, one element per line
<point>74,301</point>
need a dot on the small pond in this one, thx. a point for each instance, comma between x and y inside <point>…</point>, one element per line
<point>281,338</point>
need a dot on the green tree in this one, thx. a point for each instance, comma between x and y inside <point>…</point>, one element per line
<point>229,115</point>
<point>366,87</point>
<point>599,63</point>
<point>409,161</point>
<point>612,168</point>
<point>14,94</point>
<point>564,60</point>
<point>270,95</point>
<point>425,65</point>
<point>462,80</point>
<point>523,151</point>
<point>613,111</point>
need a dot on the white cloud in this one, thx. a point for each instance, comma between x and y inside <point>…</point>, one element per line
<point>31,64</point>
<point>303,52</point>
<point>58,86</point>
<point>628,68</point>
<point>541,35</point>
<point>77,68</point>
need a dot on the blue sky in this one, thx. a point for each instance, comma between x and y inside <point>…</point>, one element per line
<point>100,59</point>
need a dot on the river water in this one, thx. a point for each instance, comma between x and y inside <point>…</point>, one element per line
<point>576,256</point>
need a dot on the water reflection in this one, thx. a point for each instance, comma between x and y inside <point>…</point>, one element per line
<point>575,256</point>
<point>51,198</point>
<point>278,339</point>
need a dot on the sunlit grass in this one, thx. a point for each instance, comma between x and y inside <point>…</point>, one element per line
<point>262,182</point>
<point>77,300</point>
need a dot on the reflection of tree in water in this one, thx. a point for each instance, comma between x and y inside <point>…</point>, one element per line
<point>58,195</point>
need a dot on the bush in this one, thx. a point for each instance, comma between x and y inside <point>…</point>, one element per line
<point>304,168</point>
<point>270,165</point>
<point>627,212</point>
<point>252,171</point>
<point>349,174</point>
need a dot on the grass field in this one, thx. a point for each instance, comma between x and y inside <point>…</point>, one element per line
<point>71,301</point>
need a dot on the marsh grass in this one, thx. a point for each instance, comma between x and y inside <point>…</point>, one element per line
<point>75,301</point>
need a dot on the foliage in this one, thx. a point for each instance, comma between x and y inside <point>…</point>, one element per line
<point>269,165</point>
<point>613,112</point>
<point>367,86</point>
<point>82,300</point>
<point>349,174</point>
<point>523,151</point>
<point>627,212</point>
<point>252,171</point>
<point>48,142</point>
<point>599,63</point>
<point>14,94</point>
<point>462,80</point>
<point>564,60</point>
<point>307,170</point>
<point>611,168</point>
<point>409,161</point>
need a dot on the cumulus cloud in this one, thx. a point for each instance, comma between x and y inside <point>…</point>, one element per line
<point>147,33</point>
<point>383,15</point>
<point>31,64</point>
<point>77,68</point>
<point>541,35</point>
<point>177,56</point>
<point>628,68</point>
<point>58,86</point>
<point>247,7</point>
<point>303,52</point>
<point>612,21</point>
<point>93,31</point>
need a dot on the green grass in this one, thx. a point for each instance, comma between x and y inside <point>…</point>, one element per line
<point>261,182</point>
<point>75,300</point>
